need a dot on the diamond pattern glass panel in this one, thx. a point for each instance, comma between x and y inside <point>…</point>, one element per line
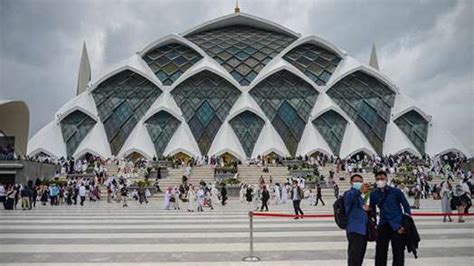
<point>286,100</point>
<point>75,127</point>
<point>247,126</point>
<point>242,50</point>
<point>368,102</point>
<point>205,100</point>
<point>170,61</point>
<point>332,126</point>
<point>161,127</point>
<point>415,128</point>
<point>315,62</point>
<point>121,101</point>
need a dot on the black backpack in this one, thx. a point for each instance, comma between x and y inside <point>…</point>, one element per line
<point>340,213</point>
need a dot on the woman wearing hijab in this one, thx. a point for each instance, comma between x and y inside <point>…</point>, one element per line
<point>166,203</point>
<point>446,195</point>
<point>191,198</point>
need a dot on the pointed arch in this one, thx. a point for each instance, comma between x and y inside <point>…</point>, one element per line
<point>367,101</point>
<point>205,100</point>
<point>287,101</point>
<point>122,100</point>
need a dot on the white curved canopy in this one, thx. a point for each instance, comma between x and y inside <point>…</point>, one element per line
<point>227,141</point>
<point>139,141</point>
<point>404,104</point>
<point>165,102</point>
<point>397,142</point>
<point>95,143</point>
<point>354,142</point>
<point>83,102</point>
<point>312,141</point>
<point>241,19</point>
<point>245,102</point>
<point>440,141</point>
<point>182,141</point>
<point>49,140</point>
<point>269,141</point>
<point>135,64</point>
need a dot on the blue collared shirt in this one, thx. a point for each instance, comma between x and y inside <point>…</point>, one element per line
<point>390,201</point>
<point>356,216</point>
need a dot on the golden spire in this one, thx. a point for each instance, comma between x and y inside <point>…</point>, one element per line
<point>236,9</point>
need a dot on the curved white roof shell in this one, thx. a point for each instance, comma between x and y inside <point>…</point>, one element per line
<point>323,104</point>
<point>183,141</point>
<point>83,102</point>
<point>245,103</point>
<point>227,141</point>
<point>134,63</point>
<point>95,143</point>
<point>269,141</point>
<point>404,104</point>
<point>397,142</point>
<point>354,142</point>
<point>139,141</point>
<point>165,102</point>
<point>48,140</point>
<point>440,142</point>
<point>312,141</point>
<point>241,19</point>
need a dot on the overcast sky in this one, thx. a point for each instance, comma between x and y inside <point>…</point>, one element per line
<point>426,47</point>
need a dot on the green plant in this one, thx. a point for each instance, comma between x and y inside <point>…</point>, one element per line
<point>142,183</point>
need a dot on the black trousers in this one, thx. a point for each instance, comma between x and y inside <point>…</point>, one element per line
<point>356,249</point>
<point>319,198</point>
<point>82,200</point>
<point>264,204</point>
<point>296,206</point>
<point>386,234</point>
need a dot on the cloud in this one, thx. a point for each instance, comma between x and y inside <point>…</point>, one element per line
<point>426,47</point>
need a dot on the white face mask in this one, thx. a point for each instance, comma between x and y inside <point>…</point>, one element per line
<point>381,183</point>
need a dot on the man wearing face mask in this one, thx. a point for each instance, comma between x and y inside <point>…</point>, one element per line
<point>357,219</point>
<point>390,201</point>
<point>297,195</point>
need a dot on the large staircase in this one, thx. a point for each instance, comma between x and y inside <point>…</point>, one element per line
<point>251,174</point>
<point>204,172</point>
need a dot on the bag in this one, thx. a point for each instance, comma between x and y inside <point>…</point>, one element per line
<point>147,193</point>
<point>301,192</point>
<point>340,213</point>
<point>371,228</point>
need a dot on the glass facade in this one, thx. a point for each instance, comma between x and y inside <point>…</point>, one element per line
<point>170,61</point>
<point>74,127</point>
<point>161,127</point>
<point>287,101</point>
<point>205,100</point>
<point>315,62</point>
<point>247,126</point>
<point>415,128</point>
<point>242,50</point>
<point>122,100</point>
<point>332,126</point>
<point>368,102</point>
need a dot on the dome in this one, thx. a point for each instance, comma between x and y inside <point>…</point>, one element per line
<point>247,86</point>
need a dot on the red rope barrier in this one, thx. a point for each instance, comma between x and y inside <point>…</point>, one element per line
<point>328,215</point>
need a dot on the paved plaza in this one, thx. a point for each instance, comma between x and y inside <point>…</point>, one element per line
<point>107,234</point>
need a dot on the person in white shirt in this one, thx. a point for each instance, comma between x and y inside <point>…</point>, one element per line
<point>82,193</point>
<point>2,195</point>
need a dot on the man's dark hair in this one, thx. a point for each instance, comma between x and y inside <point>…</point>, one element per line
<point>356,175</point>
<point>381,173</point>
